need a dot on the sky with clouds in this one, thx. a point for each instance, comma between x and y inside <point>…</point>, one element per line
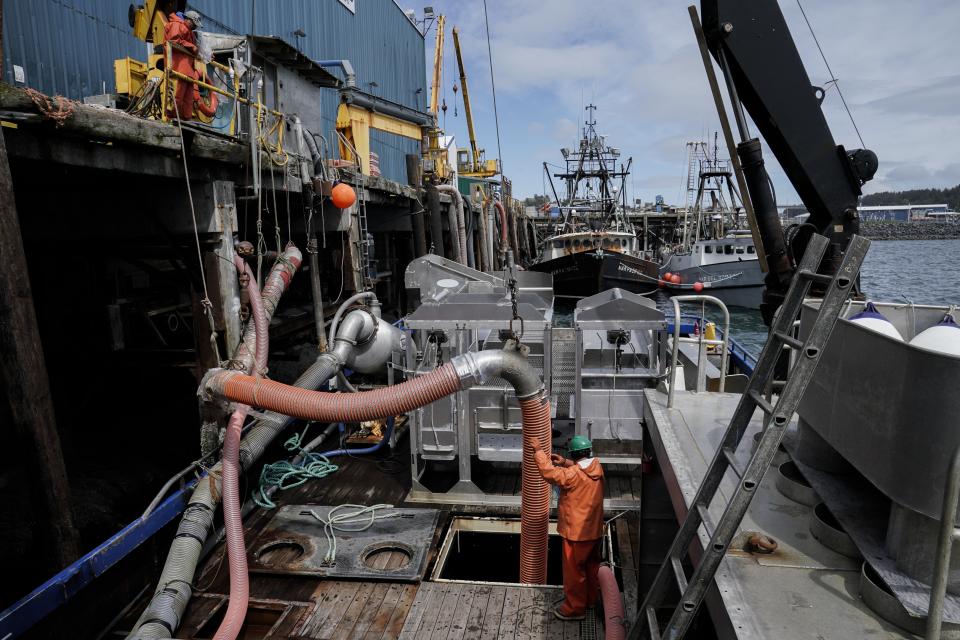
<point>898,64</point>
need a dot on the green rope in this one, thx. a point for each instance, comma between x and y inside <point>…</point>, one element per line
<point>286,474</point>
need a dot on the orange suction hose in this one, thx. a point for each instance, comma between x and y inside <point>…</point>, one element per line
<point>403,398</point>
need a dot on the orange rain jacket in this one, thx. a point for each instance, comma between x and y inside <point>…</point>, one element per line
<point>177,32</point>
<point>580,511</point>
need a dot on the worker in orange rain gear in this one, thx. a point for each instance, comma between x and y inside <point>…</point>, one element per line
<point>579,522</point>
<point>179,31</point>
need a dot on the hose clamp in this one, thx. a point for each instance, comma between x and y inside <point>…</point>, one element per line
<point>208,390</point>
<point>468,370</point>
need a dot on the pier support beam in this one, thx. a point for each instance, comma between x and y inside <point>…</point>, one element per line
<point>24,375</point>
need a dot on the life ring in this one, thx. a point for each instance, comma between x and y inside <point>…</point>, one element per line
<point>206,101</point>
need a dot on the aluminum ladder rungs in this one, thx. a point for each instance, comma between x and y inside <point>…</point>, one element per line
<point>679,573</point>
<point>731,456</point>
<point>706,519</point>
<point>761,402</point>
<point>652,625</point>
<point>789,340</point>
<point>813,276</point>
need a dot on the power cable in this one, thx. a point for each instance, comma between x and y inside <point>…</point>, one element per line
<point>833,78</point>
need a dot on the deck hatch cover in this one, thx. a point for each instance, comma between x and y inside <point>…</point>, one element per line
<point>293,543</point>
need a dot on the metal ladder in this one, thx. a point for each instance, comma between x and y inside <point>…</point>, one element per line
<point>694,588</point>
<point>365,263</point>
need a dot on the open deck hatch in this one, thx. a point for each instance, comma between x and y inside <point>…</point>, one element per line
<point>487,550</point>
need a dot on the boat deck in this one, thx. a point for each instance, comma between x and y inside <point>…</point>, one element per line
<point>803,590</point>
<point>297,606</point>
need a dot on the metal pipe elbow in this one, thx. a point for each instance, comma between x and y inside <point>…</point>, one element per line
<point>476,367</point>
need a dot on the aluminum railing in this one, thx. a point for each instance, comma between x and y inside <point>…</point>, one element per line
<point>702,342</point>
<point>949,533</point>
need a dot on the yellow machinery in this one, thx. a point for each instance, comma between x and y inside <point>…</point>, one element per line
<point>435,164</point>
<point>354,124</point>
<point>150,86</point>
<point>472,164</point>
<point>360,112</point>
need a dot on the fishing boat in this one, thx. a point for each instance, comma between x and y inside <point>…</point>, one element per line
<point>593,246</point>
<point>716,247</point>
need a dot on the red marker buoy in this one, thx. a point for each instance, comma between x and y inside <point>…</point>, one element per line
<point>662,283</point>
<point>667,276</point>
<point>343,196</point>
<point>698,286</point>
<point>675,278</point>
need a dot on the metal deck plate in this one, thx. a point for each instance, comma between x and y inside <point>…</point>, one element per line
<point>863,513</point>
<point>803,591</point>
<point>293,528</point>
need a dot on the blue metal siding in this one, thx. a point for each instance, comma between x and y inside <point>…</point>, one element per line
<point>68,47</point>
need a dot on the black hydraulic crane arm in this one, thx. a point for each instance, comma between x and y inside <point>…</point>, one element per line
<point>751,43</point>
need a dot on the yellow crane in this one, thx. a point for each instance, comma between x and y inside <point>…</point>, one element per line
<point>435,166</point>
<point>472,164</point>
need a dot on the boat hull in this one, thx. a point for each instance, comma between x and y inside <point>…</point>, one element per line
<point>738,284</point>
<point>586,273</point>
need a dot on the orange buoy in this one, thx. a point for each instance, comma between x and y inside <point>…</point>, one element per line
<point>698,286</point>
<point>667,276</point>
<point>662,283</point>
<point>343,195</point>
<point>675,278</point>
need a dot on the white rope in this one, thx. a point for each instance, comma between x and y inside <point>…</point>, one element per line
<point>360,518</point>
<point>205,303</point>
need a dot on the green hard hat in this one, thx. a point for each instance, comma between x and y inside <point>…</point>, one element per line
<point>579,443</point>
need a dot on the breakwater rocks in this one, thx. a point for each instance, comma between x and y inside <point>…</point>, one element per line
<point>917,230</point>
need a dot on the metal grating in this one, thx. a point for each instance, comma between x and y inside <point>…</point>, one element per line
<point>563,369</point>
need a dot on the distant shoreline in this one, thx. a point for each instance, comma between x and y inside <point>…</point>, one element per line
<point>910,230</point>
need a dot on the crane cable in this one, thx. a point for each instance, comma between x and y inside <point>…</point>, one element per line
<point>493,88</point>
<point>833,78</point>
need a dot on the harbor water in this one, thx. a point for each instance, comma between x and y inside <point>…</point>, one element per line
<point>918,271</point>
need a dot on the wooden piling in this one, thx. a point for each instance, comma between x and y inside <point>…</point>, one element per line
<point>27,386</point>
<point>436,222</point>
<point>415,179</point>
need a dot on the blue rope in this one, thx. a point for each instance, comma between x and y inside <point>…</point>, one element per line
<point>284,474</point>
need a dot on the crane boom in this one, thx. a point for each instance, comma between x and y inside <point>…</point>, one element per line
<point>437,68</point>
<point>765,76</point>
<point>475,153</point>
<point>474,166</point>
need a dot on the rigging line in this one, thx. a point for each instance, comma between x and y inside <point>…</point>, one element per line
<point>833,78</point>
<point>493,87</point>
<point>205,303</point>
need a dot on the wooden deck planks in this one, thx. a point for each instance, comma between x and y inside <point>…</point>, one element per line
<point>400,612</point>
<point>378,622</point>
<point>494,613</point>
<point>331,609</point>
<point>508,618</point>
<point>423,613</point>
<point>478,609</point>
<point>458,622</point>
<point>448,607</point>
<point>361,612</point>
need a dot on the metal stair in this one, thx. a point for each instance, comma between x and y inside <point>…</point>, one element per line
<point>693,588</point>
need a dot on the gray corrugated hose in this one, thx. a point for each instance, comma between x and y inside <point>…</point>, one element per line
<point>457,222</point>
<point>162,616</point>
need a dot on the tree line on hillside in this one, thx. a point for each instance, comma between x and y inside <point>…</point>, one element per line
<point>949,196</point>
